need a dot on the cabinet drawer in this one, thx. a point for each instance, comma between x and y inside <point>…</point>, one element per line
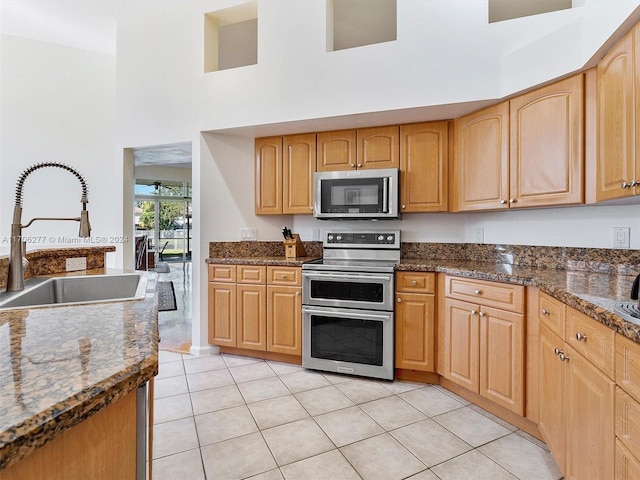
<point>416,282</point>
<point>222,273</point>
<point>284,276</point>
<point>491,294</point>
<point>592,339</point>
<point>551,312</point>
<point>252,274</point>
<point>628,365</point>
<point>627,466</point>
<point>628,421</point>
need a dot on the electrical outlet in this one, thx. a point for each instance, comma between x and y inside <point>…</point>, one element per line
<point>621,237</point>
<point>78,263</point>
<point>248,234</point>
<point>478,235</point>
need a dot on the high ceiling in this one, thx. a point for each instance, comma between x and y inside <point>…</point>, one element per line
<point>177,155</point>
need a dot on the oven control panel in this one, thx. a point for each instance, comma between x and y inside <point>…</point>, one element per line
<point>368,239</point>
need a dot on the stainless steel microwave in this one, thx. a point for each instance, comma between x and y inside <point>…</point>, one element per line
<point>356,194</point>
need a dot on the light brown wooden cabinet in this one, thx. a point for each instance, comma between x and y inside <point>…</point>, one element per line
<point>284,169</point>
<point>576,398</point>
<point>364,148</point>
<point>618,114</point>
<point>483,345</point>
<point>415,321</point>
<point>256,308</point>
<point>627,411</point>
<point>522,153</point>
<point>424,154</point>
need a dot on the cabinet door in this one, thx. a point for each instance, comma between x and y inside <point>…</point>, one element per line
<point>268,172</point>
<point>222,314</point>
<point>336,150</point>
<point>615,121</point>
<point>590,420</point>
<point>461,348</point>
<point>481,160</point>
<point>251,317</point>
<point>627,466</point>
<point>502,358</point>
<point>299,167</point>
<point>284,320</point>
<point>423,167</point>
<point>551,389</point>
<point>415,331</point>
<point>378,147</point>
<point>546,152</point>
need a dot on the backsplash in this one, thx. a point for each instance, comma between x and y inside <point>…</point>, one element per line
<point>47,262</point>
<point>601,260</point>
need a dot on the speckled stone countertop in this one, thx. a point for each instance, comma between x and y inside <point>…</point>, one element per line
<point>60,365</point>
<point>276,261</point>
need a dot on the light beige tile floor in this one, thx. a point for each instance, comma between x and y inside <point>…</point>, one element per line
<point>228,417</point>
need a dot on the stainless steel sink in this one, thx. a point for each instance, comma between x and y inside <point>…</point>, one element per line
<point>76,290</point>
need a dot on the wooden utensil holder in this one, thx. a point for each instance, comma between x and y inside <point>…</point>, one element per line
<point>293,247</point>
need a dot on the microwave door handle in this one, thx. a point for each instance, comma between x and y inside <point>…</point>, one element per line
<point>385,195</point>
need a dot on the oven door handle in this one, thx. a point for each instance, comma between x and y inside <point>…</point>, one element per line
<point>360,276</point>
<point>349,314</point>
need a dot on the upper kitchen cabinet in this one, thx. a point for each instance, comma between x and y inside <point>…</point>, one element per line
<point>365,148</point>
<point>268,171</point>
<point>378,147</point>
<point>299,166</point>
<point>423,167</point>
<point>480,179</point>
<point>284,168</point>
<point>546,145</point>
<point>618,111</point>
<point>527,152</point>
<point>336,150</point>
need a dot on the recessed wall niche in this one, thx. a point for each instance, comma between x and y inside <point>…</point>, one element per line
<point>355,23</point>
<point>231,37</point>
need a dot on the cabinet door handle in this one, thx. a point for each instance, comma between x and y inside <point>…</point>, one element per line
<point>297,293</point>
<point>580,337</point>
<point>624,185</point>
<point>513,200</point>
<point>502,202</point>
<point>399,300</point>
<point>557,351</point>
<point>633,183</point>
<point>473,312</point>
<point>563,357</point>
<point>481,314</point>
<point>359,165</point>
<point>477,292</point>
<point>353,165</point>
<point>310,208</point>
<point>545,311</point>
<point>404,206</point>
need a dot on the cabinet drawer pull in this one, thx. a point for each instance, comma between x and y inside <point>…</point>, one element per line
<point>580,337</point>
<point>477,292</point>
<point>545,311</point>
<point>414,283</point>
<point>563,357</point>
<point>283,276</point>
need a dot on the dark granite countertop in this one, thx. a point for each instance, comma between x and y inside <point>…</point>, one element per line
<point>274,261</point>
<point>60,365</point>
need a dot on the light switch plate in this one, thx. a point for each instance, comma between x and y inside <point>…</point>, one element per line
<point>78,263</point>
<point>249,234</point>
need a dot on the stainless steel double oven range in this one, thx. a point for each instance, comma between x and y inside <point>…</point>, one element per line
<point>347,304</point>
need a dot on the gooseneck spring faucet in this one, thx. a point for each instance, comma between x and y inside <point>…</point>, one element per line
<point>17,262</point>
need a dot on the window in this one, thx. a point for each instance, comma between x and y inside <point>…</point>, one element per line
<point>500,10</point>
<point>355,23</point>
<point>231,37</point>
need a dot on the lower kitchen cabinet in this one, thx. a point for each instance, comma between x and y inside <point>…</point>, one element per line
<point>576,404</point>
<point>627,466</point>
<point>284,319</point>
<point>415,321</point>
<point>627,422</point>
<point>484,346</point>
<point>256,308</point>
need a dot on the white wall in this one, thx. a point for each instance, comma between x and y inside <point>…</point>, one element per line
<point>58,104</point>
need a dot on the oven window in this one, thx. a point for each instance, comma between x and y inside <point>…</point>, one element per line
<point>347,340</point>
<point>333,290</point>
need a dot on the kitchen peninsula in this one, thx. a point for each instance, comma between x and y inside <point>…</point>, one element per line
<point>70,378</point>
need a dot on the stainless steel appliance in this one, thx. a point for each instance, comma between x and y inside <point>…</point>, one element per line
<point>630,311</point>
<point>347,304</point>
<point>356,194</point>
